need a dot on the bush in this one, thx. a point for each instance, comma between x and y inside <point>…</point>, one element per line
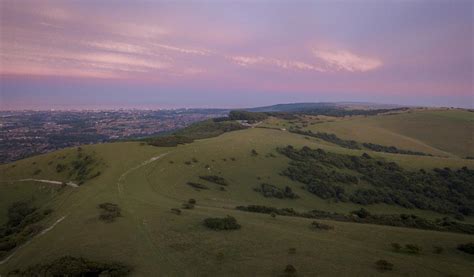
<point>197,185</point>
<point>7,245</point>
<point>192,201</point>
<point>467,248</point>
<point>412,248</point>
<point>438,249</point>
<point>290,270</point>
<point>109,212</point>
<point>396,247</point>
<point>383,265</point>
<point>292,250</point>
<point>226,223</point>
<point>254,152</point>
<point>176,211</point>
<point>362,213</point>
<point>188,206</point>
<point>18,211</point>
<point>214,179</point>
<point>321,226</point>
<point>269,190</point>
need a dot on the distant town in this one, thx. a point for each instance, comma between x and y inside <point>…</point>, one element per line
<point>26,133</point>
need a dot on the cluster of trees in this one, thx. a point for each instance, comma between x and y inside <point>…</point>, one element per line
<point>269,190</point>
<point>332,138</point>
<point>81,168</point>
<point>363,216</point>
<point>249,116</point>
<point>352,144</point>
<point>169,141</point>
<point>391,149</point>
<point>74,266</point>
<point>327,174</point>
<point>199,130</point>
<point>21,225</point>
<point>214,179</point>
<point>109,212</point>
<point>226,223</point>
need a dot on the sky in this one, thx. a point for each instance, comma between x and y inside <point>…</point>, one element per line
<point>163,54</point>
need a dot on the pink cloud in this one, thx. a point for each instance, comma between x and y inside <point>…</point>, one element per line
<point>345,60</point>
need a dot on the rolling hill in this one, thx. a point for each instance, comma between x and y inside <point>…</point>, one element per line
<point>132,203</point>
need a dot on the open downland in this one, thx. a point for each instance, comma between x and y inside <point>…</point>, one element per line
<point>146,182</point>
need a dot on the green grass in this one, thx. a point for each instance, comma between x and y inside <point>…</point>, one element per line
<point>155,241</point>
<point>444,133</point>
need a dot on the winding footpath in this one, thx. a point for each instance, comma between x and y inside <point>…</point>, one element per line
<point>71,184</point>
<point>28,242</point>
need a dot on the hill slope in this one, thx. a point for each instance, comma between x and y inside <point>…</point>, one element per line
<point>146,182</point>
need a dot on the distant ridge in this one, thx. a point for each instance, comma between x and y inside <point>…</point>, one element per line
<point>298,107</point>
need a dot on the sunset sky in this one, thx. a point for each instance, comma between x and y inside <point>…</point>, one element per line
<point>151,54</point>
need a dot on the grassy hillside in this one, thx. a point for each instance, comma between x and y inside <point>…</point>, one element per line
<point>438,132</point>
<point>146,182</point>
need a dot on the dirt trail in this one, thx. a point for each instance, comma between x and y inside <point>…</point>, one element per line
<point>130,170</point>
<point>71,184</point>
<point>28,242</point>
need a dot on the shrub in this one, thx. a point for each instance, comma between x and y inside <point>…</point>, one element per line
<point>7,245</point>
<point>192,201</point>
<point>321,226</point>
<point>467,248</point>
<point>396,247</point>
<point>254,152</point>
<point>214,179</point>
<point>176,211</point>
<point>292,250</point>
<point>226,223</point>
<point>188,206</point>
<point>438,249</point>
<point>38,171</point>
<point>269,190</point>
<point>290,270</point>
<point>362,213</point>
<point>383,265</point>
<point>197,185</point>
<point>412,248</point>
<point>109,212</point>
<point>18,211</point>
